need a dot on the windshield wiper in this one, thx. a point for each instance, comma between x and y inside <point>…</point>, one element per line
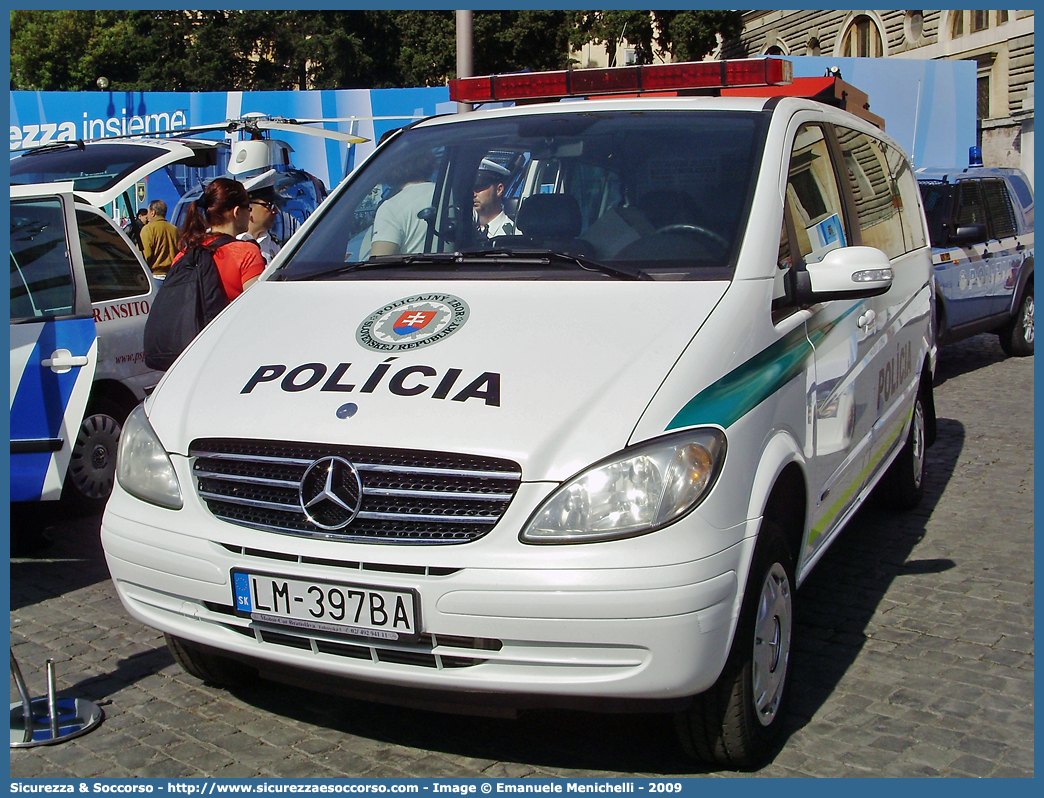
<point>550,256</point>
<point>383,262</point>
<point>501,257</point>
<point>54,145</point>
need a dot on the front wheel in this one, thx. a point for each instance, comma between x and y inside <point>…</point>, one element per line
<point>736,722</point>
<point>92,466</point>
<point>1016,337</point>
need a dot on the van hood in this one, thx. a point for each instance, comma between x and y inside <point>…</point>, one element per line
<point>552,375</point>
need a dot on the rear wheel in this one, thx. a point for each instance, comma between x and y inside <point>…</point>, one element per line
<point>736,722</point>
<point>902,486</point>
<point>1016,337</point>
<point>203,663</point>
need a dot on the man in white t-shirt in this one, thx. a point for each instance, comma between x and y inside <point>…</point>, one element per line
<point>396,225</point>
<point>490,184</point>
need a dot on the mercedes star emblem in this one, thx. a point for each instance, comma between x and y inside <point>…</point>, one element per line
<point>331,493</point>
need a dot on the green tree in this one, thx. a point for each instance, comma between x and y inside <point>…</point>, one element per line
<point>685,35</point>
<point>511,41</point>
<point>690,35</point>
<point>43,48</point>
<point>610,27</point>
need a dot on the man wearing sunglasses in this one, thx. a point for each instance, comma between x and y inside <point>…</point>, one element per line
<point>263,213</point>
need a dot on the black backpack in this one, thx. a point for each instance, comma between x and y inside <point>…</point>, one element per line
<point>190,297</point>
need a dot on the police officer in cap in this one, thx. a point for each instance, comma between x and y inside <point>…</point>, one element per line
<point>489,190</point>
<point>264,210</point>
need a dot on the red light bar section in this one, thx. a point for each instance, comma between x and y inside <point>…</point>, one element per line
<point>757,72</point>
<point>531,85</point>
<point>604,81</point>
<point>623,80</point>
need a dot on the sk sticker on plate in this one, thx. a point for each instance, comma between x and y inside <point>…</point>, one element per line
<point>413,322</point>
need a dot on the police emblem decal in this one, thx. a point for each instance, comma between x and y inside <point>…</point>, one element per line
<point>413,322</point>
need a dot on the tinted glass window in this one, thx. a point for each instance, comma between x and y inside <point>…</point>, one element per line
<point>971,209</point>
<point>41,274</point>
<point>664,191</point>
<point>1002,214</point>
<point>113,271</point>
<point>813,197</point>
<point>94,169</point>
<point>877,205</point>
<point>937,197</point>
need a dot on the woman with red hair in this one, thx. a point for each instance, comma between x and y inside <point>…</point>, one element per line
<point>224,209</point>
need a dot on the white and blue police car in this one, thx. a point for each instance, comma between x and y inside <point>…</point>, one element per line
<point>980,220</point>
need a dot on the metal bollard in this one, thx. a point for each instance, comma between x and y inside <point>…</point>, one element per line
<point>48,720</point>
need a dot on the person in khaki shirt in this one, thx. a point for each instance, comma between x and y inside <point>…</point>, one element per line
<point>159,239</point>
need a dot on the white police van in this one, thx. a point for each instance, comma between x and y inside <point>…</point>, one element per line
<point>587,464</point>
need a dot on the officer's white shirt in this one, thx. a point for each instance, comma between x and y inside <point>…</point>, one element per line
<point>268,246</point>
<point>501,225</point>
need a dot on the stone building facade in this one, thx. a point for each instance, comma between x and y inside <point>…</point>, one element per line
<point>1000,42</point>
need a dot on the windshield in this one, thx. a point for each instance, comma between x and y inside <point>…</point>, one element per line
<point>96,168</point>
<point>663,194</point>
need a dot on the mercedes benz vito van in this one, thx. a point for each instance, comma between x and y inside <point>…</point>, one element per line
<point>586,462</point>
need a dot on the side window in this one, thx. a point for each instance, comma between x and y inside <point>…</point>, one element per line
<point>112,270</point>
<point>998,203</point>
<point>908,197</point>
<point>877,205</point>
<point>938,204</point>
<point>41,274</point>
<point>970,206</point>
<point>813,198</point>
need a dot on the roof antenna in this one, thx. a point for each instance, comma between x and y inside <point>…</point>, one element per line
<point>619,41</point>
<point>833,72</point>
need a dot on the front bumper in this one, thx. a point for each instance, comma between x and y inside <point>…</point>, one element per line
<point>646,618</point>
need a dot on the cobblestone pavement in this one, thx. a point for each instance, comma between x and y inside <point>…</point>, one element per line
<point>914,650</point>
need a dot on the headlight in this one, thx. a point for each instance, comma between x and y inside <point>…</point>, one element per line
<point>633,492</point>
<point>142,465</point>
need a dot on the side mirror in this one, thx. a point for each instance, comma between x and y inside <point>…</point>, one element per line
<point>968,234</point>
<point>845,273</point>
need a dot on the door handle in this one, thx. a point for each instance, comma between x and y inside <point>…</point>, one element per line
<point>62,360</point>
<point>867,319</point>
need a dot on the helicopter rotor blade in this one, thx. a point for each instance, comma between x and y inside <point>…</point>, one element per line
<point>350,138</point>
<point>357,118</point>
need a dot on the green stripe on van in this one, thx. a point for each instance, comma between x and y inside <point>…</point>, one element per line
<point>748,385</point>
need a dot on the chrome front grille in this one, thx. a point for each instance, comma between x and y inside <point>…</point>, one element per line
<point>407,496</point>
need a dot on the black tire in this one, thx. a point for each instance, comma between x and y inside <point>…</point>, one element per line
<point>1016,337</point>
<point>736,723</point>
<point>92,467</point>
<point>902,486</point>
<point>206,664</point>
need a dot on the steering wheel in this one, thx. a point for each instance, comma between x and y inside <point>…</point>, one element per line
<point>696,230</point>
